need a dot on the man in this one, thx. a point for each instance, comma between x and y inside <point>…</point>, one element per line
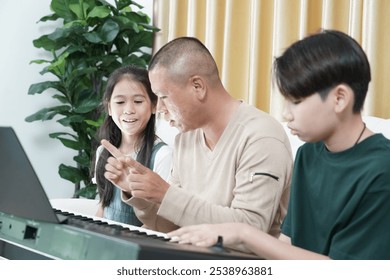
<point>340,191</point>
<point>232,162</point>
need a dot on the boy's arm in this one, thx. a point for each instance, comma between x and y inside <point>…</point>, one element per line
<point>254,240</point>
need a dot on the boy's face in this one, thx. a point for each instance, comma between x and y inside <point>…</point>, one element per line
<point>312,119</point>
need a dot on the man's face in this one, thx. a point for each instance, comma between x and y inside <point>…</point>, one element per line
<point>175,100</point>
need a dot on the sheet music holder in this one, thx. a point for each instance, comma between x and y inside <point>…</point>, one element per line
<point>21,192</point>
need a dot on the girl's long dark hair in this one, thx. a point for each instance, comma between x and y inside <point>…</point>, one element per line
<point>109,130</point>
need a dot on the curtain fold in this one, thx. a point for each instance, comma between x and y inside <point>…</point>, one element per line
<point>244,36</point>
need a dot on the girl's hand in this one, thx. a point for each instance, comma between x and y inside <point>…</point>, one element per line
<point>132,177</point>
<point>116,173</point>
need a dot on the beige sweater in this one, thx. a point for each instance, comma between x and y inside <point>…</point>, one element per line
<point>215,186</point>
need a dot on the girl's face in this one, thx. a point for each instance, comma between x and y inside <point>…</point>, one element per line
<point>130,107</point>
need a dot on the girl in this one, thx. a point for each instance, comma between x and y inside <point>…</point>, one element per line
<point>129,125</point>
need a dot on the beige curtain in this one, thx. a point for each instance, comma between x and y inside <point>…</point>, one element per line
<point>245,35</point>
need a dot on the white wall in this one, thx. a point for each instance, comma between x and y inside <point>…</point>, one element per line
<point>18,28</point>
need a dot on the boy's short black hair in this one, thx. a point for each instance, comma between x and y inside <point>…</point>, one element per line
<point>320,62</point>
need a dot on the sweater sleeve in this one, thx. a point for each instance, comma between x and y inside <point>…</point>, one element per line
<point>259,196</point>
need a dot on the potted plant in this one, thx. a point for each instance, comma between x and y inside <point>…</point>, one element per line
<point>92,39</point>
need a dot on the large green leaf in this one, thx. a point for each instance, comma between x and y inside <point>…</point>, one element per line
<point>94,123</point>
<point>122,4</point>
<point>105,35</point>
<point>99,12</point>
<point>61,98</point>
<point>148,27</point>
<point>45,43</point>
<point>57,67</point>
<point>134,60</point>
<point>88,191</point>
<point>87,105</point>
<point>58,134</point>
<point>39,61</point>
<point>61,8</point>
<point>93,37</point>
<point>80,9</point>
<point>109,31</point>
<point>140,40</point>
<point>76,27</point>
<point>68,120</point>
<point>106,4</point>
<point>71,173</point>
<point>47,113</point>
<point>42,86</point>
<point>137,17</point>
<point>72,49</point>
<point>51,17</point>
<point>83,160</point>
<point>75,145</point>
<point>80,71</point>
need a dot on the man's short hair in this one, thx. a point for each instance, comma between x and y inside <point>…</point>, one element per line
<point>184,57</point>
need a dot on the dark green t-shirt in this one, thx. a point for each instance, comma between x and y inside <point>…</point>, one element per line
<point>340,202</point>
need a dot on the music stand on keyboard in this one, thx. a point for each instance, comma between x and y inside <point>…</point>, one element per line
<point>21,192</point>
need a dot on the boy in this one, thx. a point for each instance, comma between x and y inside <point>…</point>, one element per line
<point>339,204</point>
